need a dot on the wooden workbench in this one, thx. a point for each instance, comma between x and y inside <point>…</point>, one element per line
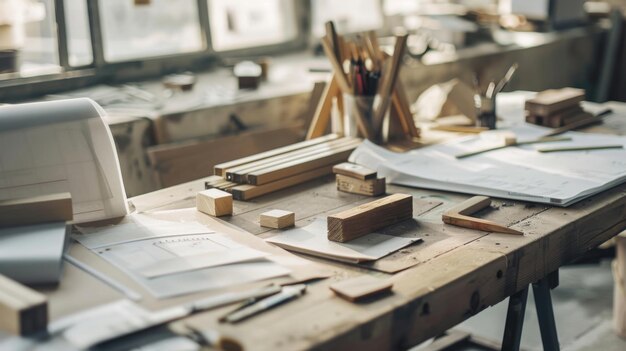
<point>457,273</point>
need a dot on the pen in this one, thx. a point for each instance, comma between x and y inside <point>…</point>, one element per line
<point>288,293</point>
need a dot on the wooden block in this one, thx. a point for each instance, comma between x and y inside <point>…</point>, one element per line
<point>358,288</point>
<point>369,187</point>
<point>22,310</point>
<point>277,219</point>
<point>214,202</point>
<point>366,218</point>
<point>550,101</point>
<point>459,216</point>
<point>36,209</point>
<point>355,171</point>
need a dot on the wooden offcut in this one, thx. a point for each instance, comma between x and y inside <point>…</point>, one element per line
<point>277,219</point>
<point>36,209</point>
<point>459,216</point>
<point>214,202</point>
<point>355,171</point>
<point>22,310</point>
<point>369,187</point>
<point>548,102</point>
<point>369,217</point>
<point>359,288</point>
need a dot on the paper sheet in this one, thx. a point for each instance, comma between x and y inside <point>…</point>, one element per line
<point>61,146</point>
<point>519,173</point>
<point>313,239</point>
<point>33,254</point>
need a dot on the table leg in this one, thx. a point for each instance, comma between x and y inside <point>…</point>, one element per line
<point>545,315</point>
<point>514,321</point>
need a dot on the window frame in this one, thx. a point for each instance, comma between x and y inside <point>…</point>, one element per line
<point>102,71</point>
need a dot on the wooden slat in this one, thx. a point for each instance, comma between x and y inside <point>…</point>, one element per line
<point>248,192</point>
<point>321,116</point>
<point>389,81</point>
<point>239,174</point>
<point>267,175</point>
<point>219,169</point>
<point>36,209</point>
<point>369,217</point>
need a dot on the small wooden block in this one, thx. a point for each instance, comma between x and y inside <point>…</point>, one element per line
<point>369,187</point>
<point>358,288</point>
<point>277,219</point>
<point>214,202</point>
<point>354,171</point>
<point>22,310</point>
<point>36,209</point>
<point>550,101</point>
<point>367,218</point>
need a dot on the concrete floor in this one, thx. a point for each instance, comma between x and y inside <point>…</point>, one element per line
<point>582,304</point>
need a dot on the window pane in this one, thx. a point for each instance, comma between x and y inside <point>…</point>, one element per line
<point>78,35</point>
<point>238,24</point>
<point>349,15</point>
<point>160,27</point>
<point>28,37</point>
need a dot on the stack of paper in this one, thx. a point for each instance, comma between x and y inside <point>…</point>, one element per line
<point>520,173</point>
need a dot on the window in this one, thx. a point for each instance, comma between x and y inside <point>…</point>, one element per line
<point>350,16</point>
<point>238,24</point>
<point>28,42</point>
<point>131,30</point>
<point>78,34</point>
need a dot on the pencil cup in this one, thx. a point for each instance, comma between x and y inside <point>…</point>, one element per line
<point>355,107</point>
<point>486,112</point>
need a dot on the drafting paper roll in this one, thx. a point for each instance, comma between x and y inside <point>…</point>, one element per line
<point>61,146</point>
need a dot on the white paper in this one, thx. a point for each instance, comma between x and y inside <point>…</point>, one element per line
<point>519,173</point>
<point>33,254</point>
<point>61,146</point>
<point>313,240</point>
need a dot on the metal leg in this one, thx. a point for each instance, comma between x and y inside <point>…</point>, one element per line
<point>514,321</point>
<point>545,314</point>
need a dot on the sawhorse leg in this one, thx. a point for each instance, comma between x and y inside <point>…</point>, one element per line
<point>545,315</point>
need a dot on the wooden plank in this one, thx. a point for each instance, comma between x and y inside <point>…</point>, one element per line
<point>553,100</point>
<point>390,77</point>
<point>460,216</point>
<point>220,169</point>
<point>240,174</point>
<point>22,310</point>
<point>369,217</point>
<point>369,187</point>
<point>271,174</point>
<point>361,287</point>
<point>355,171</point>
<point>248,192</point>
<point>277,219</point>
<point>36,209</point>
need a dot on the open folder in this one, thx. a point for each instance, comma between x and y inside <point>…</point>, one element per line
<point>61,146</point>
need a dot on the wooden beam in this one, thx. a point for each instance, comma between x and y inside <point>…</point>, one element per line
<point>36,209</point>
<point>330,157</point>
<point>249,192</point>
<point>460,216</point>
<point>240,174</point>
<point>221,168</point>
<point>369,217</point>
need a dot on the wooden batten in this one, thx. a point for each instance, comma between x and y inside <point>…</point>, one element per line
<point>369,217</point>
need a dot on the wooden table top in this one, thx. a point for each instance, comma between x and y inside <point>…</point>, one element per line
<point>457,273</point>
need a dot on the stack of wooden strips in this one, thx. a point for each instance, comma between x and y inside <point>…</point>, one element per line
<point>266,172</point>
<point>556,108</point>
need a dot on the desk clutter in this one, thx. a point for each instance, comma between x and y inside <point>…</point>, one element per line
<point>270,171</point>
